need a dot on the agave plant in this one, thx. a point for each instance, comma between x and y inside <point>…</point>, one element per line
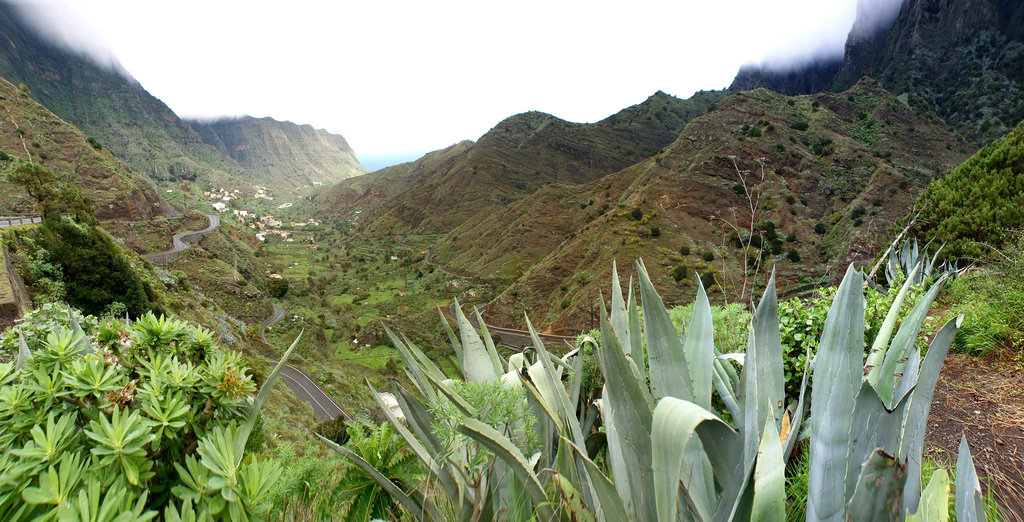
<point>671,454</point>
<point>906,259</point>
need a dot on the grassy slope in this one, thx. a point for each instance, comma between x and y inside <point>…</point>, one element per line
<point>880,164</point>
<point>28,131</point>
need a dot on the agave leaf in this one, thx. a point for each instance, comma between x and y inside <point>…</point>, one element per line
<point>674,423</point>
<point>608,505</point>
<point>918,406</point>
<point>699,347</point>
<point>430,460</point>
<point>636,342</point>
<point>762,376</point>
<point>412,366</point>
<point>836,381</point>
<point>891,368</point>
<point>24,354</point>
<point>394,491</point>
<point>878,349</point>
<point>619,317</point>
<point>934,505</point>
<point>667,360</point>
<point>418,416</point>
<point>769,478</point>
<point>969,506</point>
<point>877,495</point>
<point>492,352</point>
<point>517,463</point>
<point>724,386</point>
<point>477,365</point>
<point>245,429</point>
<point>873,426</point>
<point>452,338</point>
<point>627,418</point>
<point>425,363</point>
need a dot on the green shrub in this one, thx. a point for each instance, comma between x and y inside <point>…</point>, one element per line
<point>679,272</point>
<point>793,255</point>
<point>655,231</point>
<point>637,214</point>
<point>140,417</point>
<point>278,287</point>
<point>819,228</point>
<point>708,256</point>
<point>684,250</point>
<point>799,125</point>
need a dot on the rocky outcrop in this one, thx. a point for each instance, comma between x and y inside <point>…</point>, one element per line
<point>280,153</point>
<point>962,59</point>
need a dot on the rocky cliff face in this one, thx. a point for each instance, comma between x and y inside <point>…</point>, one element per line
<point>962,59</point>
<point>281,153</point>
<point>107,104</point>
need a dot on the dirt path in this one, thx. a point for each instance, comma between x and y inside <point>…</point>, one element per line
<point>984,399</point>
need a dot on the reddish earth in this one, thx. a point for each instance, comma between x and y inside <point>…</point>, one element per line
<point>983,398</point>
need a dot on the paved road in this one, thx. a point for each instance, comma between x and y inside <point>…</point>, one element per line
<point>279,313</point>
<point>324,407</point>
<point>182,241</point>
<point>19,220</point>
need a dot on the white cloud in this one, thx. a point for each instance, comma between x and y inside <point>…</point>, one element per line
<point>404,75</point>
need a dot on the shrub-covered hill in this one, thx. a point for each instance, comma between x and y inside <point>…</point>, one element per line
<point>515,158</point>
<point>30,132</point>
<point>828,174</point>
<point>980,203</point>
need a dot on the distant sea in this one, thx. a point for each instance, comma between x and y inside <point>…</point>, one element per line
<point>379,161</point>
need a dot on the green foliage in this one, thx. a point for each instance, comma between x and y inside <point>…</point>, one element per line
<point>655,231</point>
<point>637,213</point>
<point>279,287</point>
<point>819,228</point>
<point>361,497</point>
<point>708,256</point>
<point>980,202</point>
<point>801,322</point>
<point>679,272</point>
<point>799,125</point>
<point>730,322</point>
<point>991,299</point>
<point>684,250</point>
<point>137,417</point>
<point>95,272</point>
<point>793,255</point>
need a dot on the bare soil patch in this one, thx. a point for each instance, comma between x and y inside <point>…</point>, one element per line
<point>984,399</point>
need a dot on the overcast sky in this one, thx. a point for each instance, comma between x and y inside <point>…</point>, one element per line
<point>400,76</point>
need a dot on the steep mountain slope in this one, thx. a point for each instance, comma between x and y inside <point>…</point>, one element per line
<point>29,132</point>
<point>829,173</point>
<point>518,156</point>
<point>108,105</point>
<point>372,189</point>
<point>962,59</point>
<point>280,153</point>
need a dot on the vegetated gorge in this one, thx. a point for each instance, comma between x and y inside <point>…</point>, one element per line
<point>798,298</point>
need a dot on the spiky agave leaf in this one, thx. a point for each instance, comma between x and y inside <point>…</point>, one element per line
<point>969,506</point>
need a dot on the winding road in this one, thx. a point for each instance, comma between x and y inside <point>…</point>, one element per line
<point>182,241</point>
<point>324,407</point>
<point>19,220</point>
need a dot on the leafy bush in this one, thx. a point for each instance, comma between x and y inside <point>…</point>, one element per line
<point>801,322</point>
<point>799,125</point>
<point>684,250</point>
<point>679,272</point>
<point>137,417</point>
<point>278,287</point>
<point>708,256</point>
<point>637,213</point>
